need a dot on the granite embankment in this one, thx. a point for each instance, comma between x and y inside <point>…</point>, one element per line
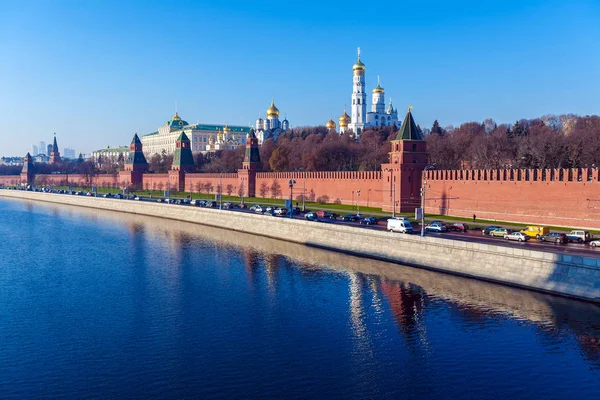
<point>567,275</point>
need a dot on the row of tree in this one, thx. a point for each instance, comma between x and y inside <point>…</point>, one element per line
<point>565,141</point>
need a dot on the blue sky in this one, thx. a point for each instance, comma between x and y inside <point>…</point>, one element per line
<point>94,72</point>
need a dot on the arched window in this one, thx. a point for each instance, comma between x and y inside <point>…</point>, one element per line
<point>376,116</point>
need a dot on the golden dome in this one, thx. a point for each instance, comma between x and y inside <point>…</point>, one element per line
<point>330,124</point>
<point>359,66</point>
<point>176,117</point>
<point>272,111</point>
<point>226,128</point>
<point>344,119</point>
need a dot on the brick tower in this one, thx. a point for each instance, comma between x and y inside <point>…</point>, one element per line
<point>250,166</point>
<point>27,173</point>
<point>135,166</point>
<point>402,175</point>
<point>183,162</point>
<point>54,154</point>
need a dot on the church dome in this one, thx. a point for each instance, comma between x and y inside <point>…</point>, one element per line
<point>344,120</point>
<point>226,129</point>
<point>176,117</point>
<point>378,89</point>
<point>272,111</point>
<point>359,66</point>
<point>330,124</point>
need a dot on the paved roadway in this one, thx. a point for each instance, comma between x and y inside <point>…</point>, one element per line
<point>584,250</point>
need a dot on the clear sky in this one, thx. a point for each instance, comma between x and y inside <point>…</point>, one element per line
<point>94,72</point>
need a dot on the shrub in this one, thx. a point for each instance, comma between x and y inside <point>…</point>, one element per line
<point>337,201</point>
<point>322,199</point>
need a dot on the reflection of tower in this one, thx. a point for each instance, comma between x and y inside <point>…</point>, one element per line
<point>271,261</point>
<point>250,261</point>
<point>356,303</point>
<point>406,303</point>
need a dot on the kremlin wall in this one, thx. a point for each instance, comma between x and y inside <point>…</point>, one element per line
<point>562,197</point>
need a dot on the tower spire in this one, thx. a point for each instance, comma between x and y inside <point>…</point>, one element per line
<point>359,54</point>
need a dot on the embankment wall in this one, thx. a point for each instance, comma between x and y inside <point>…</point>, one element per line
<point>567,275</point>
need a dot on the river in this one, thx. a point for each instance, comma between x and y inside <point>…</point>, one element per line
<point>95,304</point>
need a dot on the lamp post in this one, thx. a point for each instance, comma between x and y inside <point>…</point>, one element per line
<point>292,183</point>
<point>358,201</point>
<point>423,190</point>
<point>368,195</point>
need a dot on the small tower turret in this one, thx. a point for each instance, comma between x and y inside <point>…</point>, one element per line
<point>250,166</point>
<point>27,173</point>
<point>54,154</point>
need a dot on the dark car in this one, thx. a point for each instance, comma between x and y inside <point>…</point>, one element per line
<point>311,217</point>
<point>350,217</point>
<point>211,204</point>
<point>555,237</point>
<point>486,231</point>
<point>368,221</point>
<point>458,227</point>
<point>327,215</point>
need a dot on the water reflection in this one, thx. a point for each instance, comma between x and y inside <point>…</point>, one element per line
<point>373,286</point>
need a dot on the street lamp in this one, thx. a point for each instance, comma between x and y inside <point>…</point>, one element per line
<point>423,190</point>
<point>358,201</point>
<point>292,183</point>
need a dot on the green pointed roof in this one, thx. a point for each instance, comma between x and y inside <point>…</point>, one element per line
<point>136,139</point>
<point>409,130</point>
<point>183,137</point>
<point>54,145</point>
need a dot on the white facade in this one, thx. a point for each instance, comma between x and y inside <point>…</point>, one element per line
<point>378,116</point>
<point>272,126</point>
<point>110,155</point>
<point>200,136</point>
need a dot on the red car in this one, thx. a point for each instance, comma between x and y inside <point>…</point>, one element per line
<point>458,227</point>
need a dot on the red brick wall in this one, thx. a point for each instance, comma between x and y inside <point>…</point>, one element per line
<point>10,179</point>
<point>545,197</point>
<point>336,185</point>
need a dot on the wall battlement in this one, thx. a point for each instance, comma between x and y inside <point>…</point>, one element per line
<point>517,175</point>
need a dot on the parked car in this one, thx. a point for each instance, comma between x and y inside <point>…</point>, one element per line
<point>518,236</point>
<point>350,217</point>
<point>107,195</point>
<point>118,196</point>
<point>243,206</point>
<point>399,225</point>
<point>227,205</point>
<point>269,209</point>
<point>500,232</point>
<point>368,221</point>
<point>327,214</point>
<point>435,227</point>
<point>137,198</point>
<point>579,236</point>
<point>555,237</point>
<point>195,202</point>
<point>486,231</point>
<point>536,231</point>
<point>279,211</point>
<point>258,209</point>
<point>311,216</point>
<point>211,204</point>
<point>160,200</point>
<point>595,243</point>
<point>458,227</point>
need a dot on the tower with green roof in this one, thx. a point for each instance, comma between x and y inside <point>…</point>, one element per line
<point>135,166</point>
<point>27,173</point>
<point>402,175</point>
<point>250,166</point>
<point>183,162</point>
<point>54,154</point>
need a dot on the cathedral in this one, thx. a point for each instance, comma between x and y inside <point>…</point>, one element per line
<point>270,127</point>
<point>361,118</point>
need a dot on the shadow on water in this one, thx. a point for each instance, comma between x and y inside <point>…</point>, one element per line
<point>407,290</point>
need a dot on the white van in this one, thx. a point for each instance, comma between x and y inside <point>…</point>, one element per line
<point>399,225</point>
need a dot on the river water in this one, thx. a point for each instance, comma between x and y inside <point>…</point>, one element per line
<point>106,305</point>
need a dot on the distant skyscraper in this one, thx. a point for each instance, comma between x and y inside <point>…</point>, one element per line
<point>34,150</point>
<point>42,149</point>
<point>49,150</point>
<point>69,153</point>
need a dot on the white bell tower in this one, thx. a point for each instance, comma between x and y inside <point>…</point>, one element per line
<point>359,97</point>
